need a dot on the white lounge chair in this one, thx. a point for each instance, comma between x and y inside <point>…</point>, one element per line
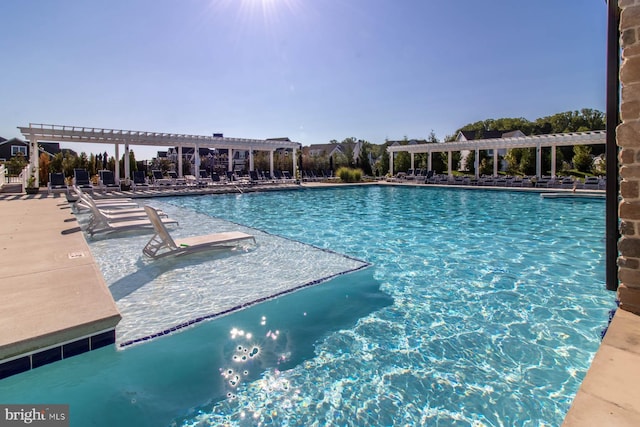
<point>100,223</point>
<point>162,244</point>
<point>119,203</point>
<point>115,215</point>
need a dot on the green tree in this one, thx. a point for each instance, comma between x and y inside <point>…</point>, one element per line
<point>93,167</point>
<point>348,145</point>
<point>471,161</point>
<point>43,168</point>
<point>133,165</point>
<point>486,166</point>
<point>521,161</point>
<point>528,161</point>
<point>363,158</point>
<point>439,162</point>
<point>16,164</point>
<point>582,159</point>
<point>402,162</point>
<point>382,165</point>
<point>68,164</point>
<point>56,163</point>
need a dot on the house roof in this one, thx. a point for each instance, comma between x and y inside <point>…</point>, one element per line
<point>52,148</point>
<point>470,135</point>
<point>13,141</point>
<point>513,134</point>
<point>325,148</point>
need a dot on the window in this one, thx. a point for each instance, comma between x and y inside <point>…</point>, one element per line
<point>15,149</point>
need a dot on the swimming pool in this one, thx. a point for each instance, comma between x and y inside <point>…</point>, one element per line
<point>481,308</point>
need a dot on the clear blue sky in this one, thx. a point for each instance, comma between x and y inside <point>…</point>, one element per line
<point>312,70</point>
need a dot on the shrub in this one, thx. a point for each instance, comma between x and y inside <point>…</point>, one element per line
<point>349,175</point>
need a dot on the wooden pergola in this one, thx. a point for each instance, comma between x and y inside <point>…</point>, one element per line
<point>36,133</point>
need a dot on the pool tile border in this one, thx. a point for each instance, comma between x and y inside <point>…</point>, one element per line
<point>241,306</point>
<point>29,361</point>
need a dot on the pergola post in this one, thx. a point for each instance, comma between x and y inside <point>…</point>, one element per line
<point>476,163</point>
<point>126,162</point>
<point>495,162</point>
<point>429,156</point>
<point>449,163</point>
<point>117,167</point>
<point>230,161</point>
<point>553,161</point>
<point>180,160</point>
<point>538,160</point>
<point>271,164</point>
<point>391,162</point>
<point>33,159</point>
<point>250,159</point>
<point>294,158</point>
<point>413,156</point>
<point>196,160</point>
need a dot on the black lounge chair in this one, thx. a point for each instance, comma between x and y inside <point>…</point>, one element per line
<point>107,181</point>
<point>82,180</point>
<point>176,180</point>
<point>57,183</point>
<point>204,179</point>
<point>253,177</point>
<point>159,180</point>
<point>139,181</point>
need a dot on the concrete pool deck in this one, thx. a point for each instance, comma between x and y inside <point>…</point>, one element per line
<point>38,238</point>
<point>55,302</point>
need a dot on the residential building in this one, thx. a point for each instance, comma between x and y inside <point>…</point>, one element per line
<point>14,146</point>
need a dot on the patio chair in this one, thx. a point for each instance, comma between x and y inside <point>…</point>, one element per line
<point>57,183</point>
<point>162,244</point>
<point>107,181</point>
<point>82,180</point>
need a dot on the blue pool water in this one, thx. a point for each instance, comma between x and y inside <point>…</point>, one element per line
<point>480,308</point>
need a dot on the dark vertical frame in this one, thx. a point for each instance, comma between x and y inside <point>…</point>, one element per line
<point>613,118</point>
